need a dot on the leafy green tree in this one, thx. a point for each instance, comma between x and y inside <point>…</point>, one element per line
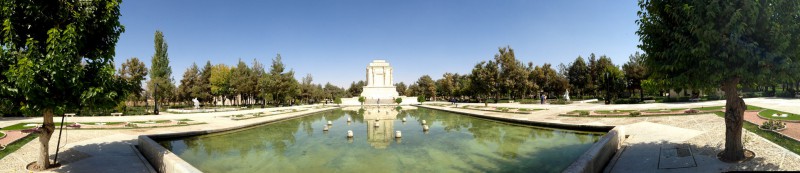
<point>241,83</point>
<point>256,75</point>
<point>446,85</point>
<point>185,93</point>
<point>612,83</point>
<point>134,70</point>
<point>413,90</point>
<point>427,86</point>
<point>512,74</point>
<point>203,84</point>
<point>705,44</point>
<point>279,85</point>
<point>484,80</point>
<point>58,55</point>
<point>401,88</point>
<point>221,81</point>
<point>579,76</point>
<point>362,99</point>
<point>398,100</point>
<point>356,88</point>
<point>160,71</point>
<point>332,91</point>
<point>594,74</point>
<point>338,100</point>
<point>635,72</point>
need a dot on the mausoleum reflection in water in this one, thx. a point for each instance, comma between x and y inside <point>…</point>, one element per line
<point>454,142</point>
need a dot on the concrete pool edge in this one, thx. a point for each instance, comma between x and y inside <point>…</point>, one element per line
<point>594,159</point>
<point>165,161</point>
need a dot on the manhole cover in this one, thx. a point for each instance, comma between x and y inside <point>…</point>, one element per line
<point>678,156</point>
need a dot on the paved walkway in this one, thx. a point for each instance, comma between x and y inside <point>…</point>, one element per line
<point>110,150</point>
<point>651,138</point>
<point>656,144</point>
<point>11,136</point>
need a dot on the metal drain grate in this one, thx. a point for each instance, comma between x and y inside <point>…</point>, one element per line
<point>676,156</point>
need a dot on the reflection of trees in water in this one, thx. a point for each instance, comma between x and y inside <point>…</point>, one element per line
<point>358,116</point>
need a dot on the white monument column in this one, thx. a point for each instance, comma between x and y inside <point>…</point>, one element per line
<point>379,81</point>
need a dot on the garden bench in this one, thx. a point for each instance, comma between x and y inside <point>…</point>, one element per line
<point>116,114</point>
<point>649,101</point>
<point>69,114</point>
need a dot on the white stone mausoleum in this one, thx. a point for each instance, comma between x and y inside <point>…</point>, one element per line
<point>380,87</point>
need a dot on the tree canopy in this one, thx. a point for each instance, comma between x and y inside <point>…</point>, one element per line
<point>58,55</point>
<point>709,44</point>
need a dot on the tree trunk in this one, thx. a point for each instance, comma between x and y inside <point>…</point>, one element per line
<point>45,132</point>
<point>734,115</point>
<point>641,94</point>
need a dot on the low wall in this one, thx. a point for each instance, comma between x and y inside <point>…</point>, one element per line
<point>593,160</point>
<point>165,161</point>
<point>597,157</point>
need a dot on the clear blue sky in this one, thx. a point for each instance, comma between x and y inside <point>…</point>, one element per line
<point>335,40</point>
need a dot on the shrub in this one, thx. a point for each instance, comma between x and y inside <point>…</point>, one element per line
<point>583,113</point>
<point>362,99</point>
<point>504,109</point>
<point>772,125</point>
<point>635,113</point>
<point>627,101</point>
<point>691,111</point>
<point>398,100</point>
<point>421,99</point>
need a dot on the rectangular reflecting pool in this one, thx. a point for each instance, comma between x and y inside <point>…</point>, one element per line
<point>453,143</point>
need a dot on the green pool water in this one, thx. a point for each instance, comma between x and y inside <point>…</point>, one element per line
<point>454,143</point>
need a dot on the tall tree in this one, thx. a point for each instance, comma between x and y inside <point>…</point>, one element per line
<point>241,85</point>
<point>58,55</point>
<point>427,87</point>
<point>401,88</point>
<point>160,83</point>
<point>221,82</point>
<point>257,73</point>
<point>484,80</point>
<point>579,76</point>
<point>709,44</point>
<point>594,74</point>
<point>280,86</point>
<point>134,70</point>
<point>511,80</point>
<point>185,92</point>
<point>203,84</point>
<point>635,72</point>
<point>356,88</point>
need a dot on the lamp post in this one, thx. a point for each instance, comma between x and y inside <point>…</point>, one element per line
<point>155,99</point>
<point>608,94</point>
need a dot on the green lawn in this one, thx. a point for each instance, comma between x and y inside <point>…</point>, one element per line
<point>2,135</point>
<point>21,126</point>
<point>613,111</point>
<point>788,143</point>
<point>767,113</point>
<point>17,144</point>
<point>662,110</point>
<point>712,108</point>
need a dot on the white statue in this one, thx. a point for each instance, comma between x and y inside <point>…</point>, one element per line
<point>196,103</point>
<point>566,95</point>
